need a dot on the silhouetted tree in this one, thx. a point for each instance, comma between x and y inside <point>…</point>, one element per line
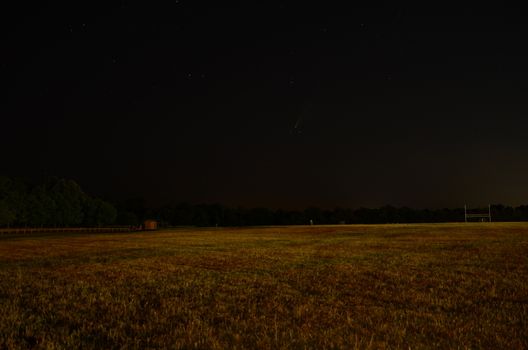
<point>14,193</point>
<point>127,218</point>
<point>522,211</point>
<point>7,216</point>
<point>314,214</point>
<point>69,200</point>
<point>41,207</point>
<point>259,216</point>
<point>98,212</point>
<point>136,205</point>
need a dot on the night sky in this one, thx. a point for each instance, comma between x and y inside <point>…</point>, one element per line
<point>276,104</point>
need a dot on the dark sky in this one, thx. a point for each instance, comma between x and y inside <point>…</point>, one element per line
<point>269,103</point>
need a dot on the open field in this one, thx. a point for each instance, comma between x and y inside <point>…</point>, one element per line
<point>382,286</point>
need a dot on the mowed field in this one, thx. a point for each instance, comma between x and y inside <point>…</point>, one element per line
<point>315,287</point>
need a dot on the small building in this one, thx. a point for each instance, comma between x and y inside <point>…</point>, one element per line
<point>150,225</point>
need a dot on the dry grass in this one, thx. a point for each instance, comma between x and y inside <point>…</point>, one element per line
<point>383,286</point>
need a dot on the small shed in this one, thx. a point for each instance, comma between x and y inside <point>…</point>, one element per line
<point>150,225</point>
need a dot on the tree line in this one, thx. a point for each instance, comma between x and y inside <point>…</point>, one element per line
<point>62,203</point>
<point>219,215</point>
<point>53,203</point>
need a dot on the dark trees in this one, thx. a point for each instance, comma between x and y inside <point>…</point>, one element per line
<point>42,208</point>
<point>62,202</point>
<point>13,195</point>
<point>56,202</point>
<point>7,216</point>
<point>98,212</point>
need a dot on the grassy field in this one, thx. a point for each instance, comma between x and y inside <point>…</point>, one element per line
<point>380,286</point>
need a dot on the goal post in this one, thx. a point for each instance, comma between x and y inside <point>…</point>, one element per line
<point>480,216</point>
